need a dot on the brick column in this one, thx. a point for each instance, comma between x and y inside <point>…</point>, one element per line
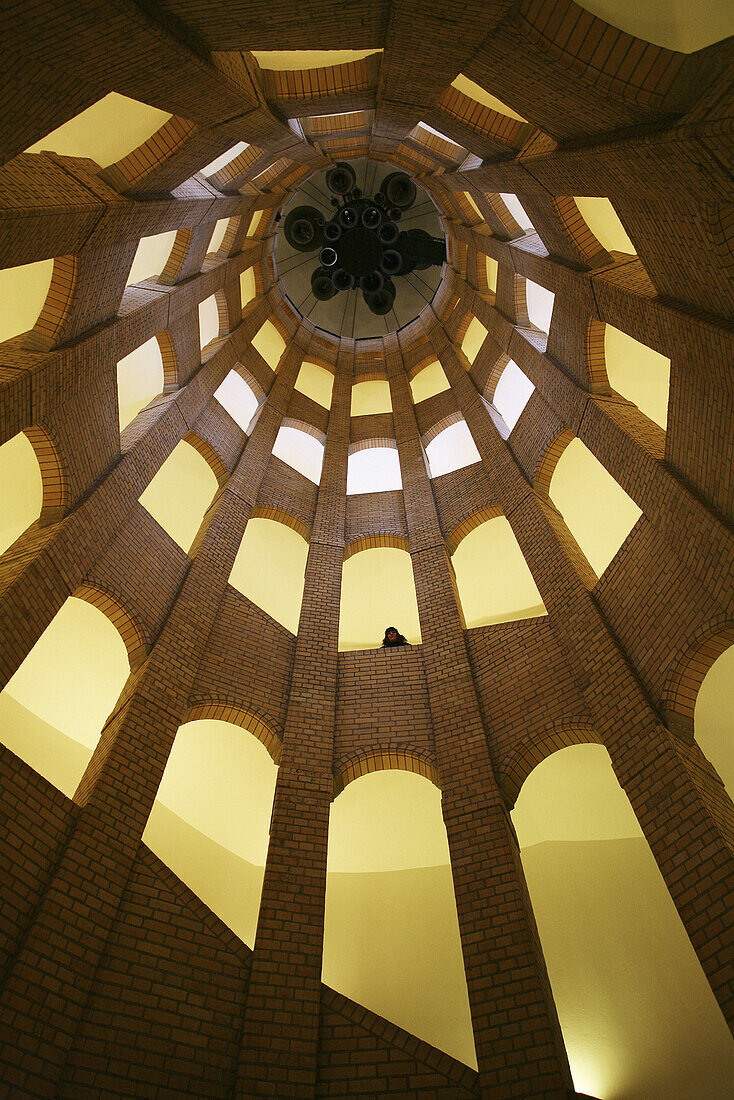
<point>280,1039</point>
<point>46,989</point>
<point>685,814</point>
<point>519,1046</point>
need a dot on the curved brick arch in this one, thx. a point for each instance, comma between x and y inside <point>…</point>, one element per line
<point>277,515</point>
<point>132,170</point>
<point>550,460</point>
<point>56,311</point>
<point>688,673</point>
<point>456,535</point>
<point>440,426</point>
<point>531,751</point>
<point>375,542</point>
<point>127,625</point>
<point>401,758</point>
<point>264,728</point>
<point>576,228</point>
<point>305,427</point>
<point>53,474</point>
<point>209,455</point>
<point>596,358</point>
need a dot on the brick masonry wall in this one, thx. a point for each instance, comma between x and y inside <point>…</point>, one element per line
<point>153,997</point>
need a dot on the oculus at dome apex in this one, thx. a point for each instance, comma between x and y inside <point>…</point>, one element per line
<point>362,247</point>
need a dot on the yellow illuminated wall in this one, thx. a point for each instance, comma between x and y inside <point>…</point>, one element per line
<point>638,373</point>
<point>494,582</point>
<point>247,286</point>
<point>218,235</point>
<point>368,608</point>
<point>675,24</point>
<point>491,268</point>
<point>107,131</point>
<point>151,257</point>
<point>428,382</point>
<point>21,489</point>
<point>638,1017</point>
<point>208,320</point>
<point>476,334</point>
<point>481,95</point>
<point>316,382</point>
<point>53,709</point>
<point>714,717</point>
<point>597,511</point>
<point>603,221</point>
<point>139,380</point>
<point>391,935</point>
<point>269,570</point>
<point>271,345</point>
<point>289,60</point>
<point>180,493</point>
<point>23,291</point>
<point>371,397</point>
<point>211,818</point>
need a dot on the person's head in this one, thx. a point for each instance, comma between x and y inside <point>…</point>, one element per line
<point>392,636</point>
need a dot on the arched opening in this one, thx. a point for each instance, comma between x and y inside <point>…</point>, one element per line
<point>208,320</point>
<point>315,382</point>
<point>391,934</point>
<point>429,381</point>
<point>369,398</point>
<point>512,393</point>
<point>596,509</point>
<point>293,60</point>
<point>713,723</point>
<point>301,451</point>
<point>540,305</point>
<point>491,269</point>
<point>23,292</point>
<point>234,395</point>
<point>366,608</point>
<point>475,336</point>
<point>247,286</point>
<point>21,489</point>
<point>139,380</point>
<point>638,1017</point>
<point>480,95</point>
<point>492,576</point>
<point>452,449</point>
<point>220,229</point>
<point>373,470</point>
<point>269,342</point>
<point>269,570</point>
<point>603,221</point>
<point>53,709</point>
<point>258,219</point>
<point>151,257</point>
<point>638,373</point>
<point>179,494</point>
<point>211,817</point>
<point>518,211</point>
<point>224,159</point>
<point>105,132</point>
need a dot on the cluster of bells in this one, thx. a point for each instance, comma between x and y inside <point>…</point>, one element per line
<point>361,246</point>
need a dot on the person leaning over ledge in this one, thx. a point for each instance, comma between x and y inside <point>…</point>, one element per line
<point>392,638</point>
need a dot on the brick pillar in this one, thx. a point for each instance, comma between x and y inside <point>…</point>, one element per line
<point>280,1039</point>
<point>519,1046</point>
<point>43,998</point>
<point>687,818</point>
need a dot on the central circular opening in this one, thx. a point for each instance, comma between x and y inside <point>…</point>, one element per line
<point>359,251</point>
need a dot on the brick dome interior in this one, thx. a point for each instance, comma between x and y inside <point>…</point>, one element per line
<point>249,852</point>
